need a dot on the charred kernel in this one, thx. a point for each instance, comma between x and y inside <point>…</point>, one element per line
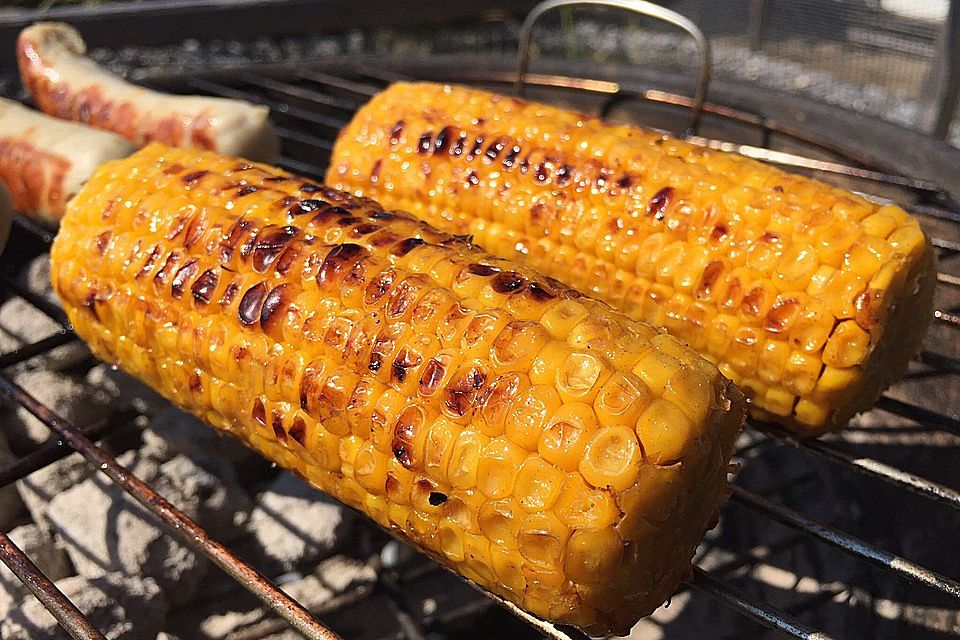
<point>426,141</point>
<point>251,302</point>
<point>90,304</point>
<point>171,169</point>
<point>384,239</point>
<point>277,424</point>
<point>242,166</point>
<point>432,375</point>
<point>781,315</point>
<point>184,275</point>
<point>379,286</point>
<point>437,498</point>
<point>275,301</point>
<point>365,229</point>
<point>298,431</point>
<point>339,262</point>
<point>277,179</point>
<point>245,190</point>
<point>375,170</point>
<point>230,293</point>
<point>507,282</point>
<point>770,237</point>
<point>309,187</point>
<point>442,141</point>
<point>305,206</point>
<point>166,271</point>
<point>539,293</point>
<point>406,359</point>
<point>383,215</point>
<point>709,278</point>
<point>542,171</point>
<point>564,173</point>
<point>259,412</point>
<point>753,301</point>
<point>510,158</point>
<point>476,149</point>
<point>194,177</point>
<point>327,213</point>
<point>196,383</point>
<point>205,285</point>
<point>268,245</point>
<point>626,181</point>
<point>152,256</point>
<point>456,148</point>
<point>103,240</point>
<point>229,244</point>
<point>462,393</point>
<point>659,202</point>
<point>395,132</point>
<point>495,149</point>
<point>197,226</point>
<point>719,231</point>
<point>482,269</point>
<point>472,179</point>
<point>867,305</point>
<point>406,246</point>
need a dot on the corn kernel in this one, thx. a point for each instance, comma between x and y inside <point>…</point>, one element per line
<point>525,423</point>
<point>848,346</point>
<point>622,399</point>
<point>538,484</point>
<point>665,432</point>
<point>499,521</point>
<point>562,317</point>
<point>542,539</point>
<point>580,376</point>
<point>611,458</point>
<point>498,467</point>
<point>566,435</point>
<point>593,555</point>
<point>580,506</point>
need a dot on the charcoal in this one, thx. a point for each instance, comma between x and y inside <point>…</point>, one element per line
<point>41,486</point>
<point>21,323</point>
<point>105,530</point>
<point>44,551</point>
<point>293,525</point>
<point>125,391</point>
<point>67,398</point>
<point>174,431</point>
<point>121,607</point>
<point>335,576</point>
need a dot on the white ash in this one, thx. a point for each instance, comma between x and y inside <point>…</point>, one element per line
<point>123,608</point>
<point>21,323</point>
<point>45,552</point>
<point>335,576</point>
<point>174,431</point>
<point>106,530</point>
<point>125,391</point>
<point>294,525</point>
<point>67,397</point>
<point>44,484</point>
<point>11,506</point>
<point>36,278</point>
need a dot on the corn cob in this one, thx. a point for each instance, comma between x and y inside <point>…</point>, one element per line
<point>537,441</point>
<point>810,298</point>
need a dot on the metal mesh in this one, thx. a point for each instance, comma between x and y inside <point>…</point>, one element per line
<point>811,537</point>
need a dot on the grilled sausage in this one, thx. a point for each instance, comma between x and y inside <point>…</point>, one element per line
<point>45,161</point>
<point>67,84</point>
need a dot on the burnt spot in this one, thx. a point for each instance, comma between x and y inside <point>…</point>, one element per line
<point>564,174</point>
<point>442,141</point>
<point>382,347</point>
<point>197,226</point>
<point>508,282</point>
<point>249,309</point>
<point>205,285</point>
<point>196,382</point>
<point>753,301</point>
<point>425,143</point>
<point>482,269</point>
<point>660,200</point>
<point>867,307</point>
<point>309,187</point>
<point>177,226</point>
<point>277,179</point>
<point>379,286</point>
<point>365,229</point>
<point>268,245</point>
<point>152,256</point>
<point>383,215</point>
<point>165,273</point>
<point>510,158</point>
<point>626,181</point>
<point>401,451</point>
<point>259,412</point>
<point>384,239</point>
<point>242,166</point>
<point>328,213</point>
<point>405,360</point>
<point>375,171</point>
<point>184,275</point>
<point>476,149</point>
<point>90,304</point>
<point>298,431</point>
<point>461,394</point>
<point>770,237</point>
<point>174,168</point>
<point>286,260</point>
<point>305,206</point>
<point>230,293</point>
<point>709,278</point>
<point>471,180</point>
<point>402,298</point>
<point>245,190</point>
<point>276,421</point>
<point>542,171</point>
<point>495,149</point>
<point>436,498</point>
<point>103,241</point>
<point>781,315</point>
<point>229,244</point>
<point>395,132</point>
<point>433,373</point>
<point>539,293</point>
<point>194,177</point>
<point>457,147</point>
<point>405,431</point>
<point>406,246</point>
<point>720,230</point>
<point>277,300</point>
<point>339,262</point>
<point>778,188</point>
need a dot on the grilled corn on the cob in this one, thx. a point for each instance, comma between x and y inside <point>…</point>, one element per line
<point>541,443</point>
<point>810,298</point>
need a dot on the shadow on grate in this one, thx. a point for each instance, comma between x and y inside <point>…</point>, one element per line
<point>848,533</point>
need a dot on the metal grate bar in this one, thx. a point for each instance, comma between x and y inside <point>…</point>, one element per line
<point>35,349</point>
<point>845,542</point>
<point>46,592</point>
<point>909,481</point>
<point>919,414</point>
<point>190,531</point>
<point>756,610</point>
<point>43,305</point>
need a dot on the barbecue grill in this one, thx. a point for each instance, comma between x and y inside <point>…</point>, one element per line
<point>854,534</point>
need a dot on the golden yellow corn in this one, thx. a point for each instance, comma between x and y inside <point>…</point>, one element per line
<point>491,416</point>
<point>810,298</point>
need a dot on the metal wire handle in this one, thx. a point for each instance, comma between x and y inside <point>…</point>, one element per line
<point>641,7</point>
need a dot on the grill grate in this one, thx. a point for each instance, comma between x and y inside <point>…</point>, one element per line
<point>309,107</point>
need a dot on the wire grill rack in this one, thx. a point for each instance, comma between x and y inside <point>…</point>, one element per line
<point>309,107</point>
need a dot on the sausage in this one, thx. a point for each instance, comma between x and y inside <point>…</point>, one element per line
<point>67,84</point>
<point>45,161</point>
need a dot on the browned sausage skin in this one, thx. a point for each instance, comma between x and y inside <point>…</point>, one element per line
<point>67,84</point>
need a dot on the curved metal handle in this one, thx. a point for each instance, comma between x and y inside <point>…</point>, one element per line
<point>637,6</point>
